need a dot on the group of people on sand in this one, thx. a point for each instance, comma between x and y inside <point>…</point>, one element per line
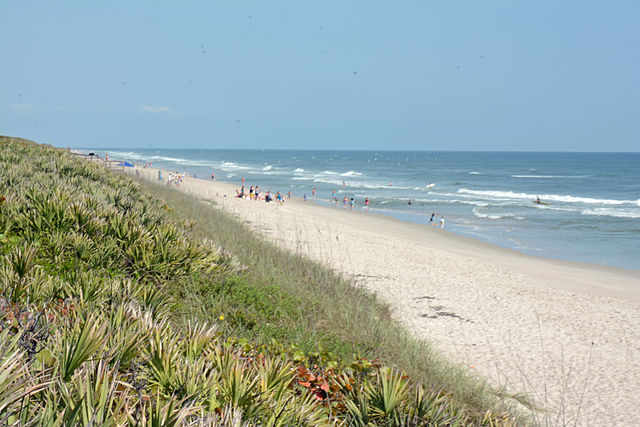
<point>254,193</point>
<point>349,202</point>
<point>172,178</point>
<point>432,222</point>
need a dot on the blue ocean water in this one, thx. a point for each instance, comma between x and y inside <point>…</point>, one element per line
<point>592,210</point>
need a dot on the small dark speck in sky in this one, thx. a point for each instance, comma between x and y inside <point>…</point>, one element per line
<point>355,72</point>
<point>124,83</point>
<point>238,121</point>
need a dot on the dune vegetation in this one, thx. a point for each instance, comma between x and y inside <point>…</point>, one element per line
<point>123,303</point>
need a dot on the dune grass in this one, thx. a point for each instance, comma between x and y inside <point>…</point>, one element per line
<point>123,303</point>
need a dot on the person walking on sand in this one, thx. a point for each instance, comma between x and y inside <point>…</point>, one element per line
<point>289,195</point>
<point>314,192</point>
<point>213,176</point>
<point>441,222</point>
<point>366,204</point>
<point>432,215</point>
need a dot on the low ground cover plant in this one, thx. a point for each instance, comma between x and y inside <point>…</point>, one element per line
<point>116,311</point>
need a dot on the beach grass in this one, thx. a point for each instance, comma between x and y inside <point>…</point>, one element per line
<point>122,302</point>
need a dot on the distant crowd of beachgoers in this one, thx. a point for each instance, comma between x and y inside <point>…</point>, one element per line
<point>254,192</point>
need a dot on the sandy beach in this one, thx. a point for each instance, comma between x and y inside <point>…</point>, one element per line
<point>566,333</point>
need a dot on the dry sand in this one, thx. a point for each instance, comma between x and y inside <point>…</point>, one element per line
<point>566,333</point>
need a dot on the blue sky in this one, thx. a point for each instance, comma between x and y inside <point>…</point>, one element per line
<point>413,75</point>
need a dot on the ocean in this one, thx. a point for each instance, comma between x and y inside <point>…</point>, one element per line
<point>590,208</point>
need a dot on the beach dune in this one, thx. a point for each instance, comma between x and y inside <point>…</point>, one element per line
<point>566,333</point>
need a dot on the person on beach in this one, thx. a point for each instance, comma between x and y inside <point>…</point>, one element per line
<point>159,175</point>
<point>441,222</point>
<point>344,184</point>
<point>251,193</point>
<point>366,204</point>
<point>351,202</point>
<point>267,197</point>
<point>304,197</point>
<point>410,203</point>
<point>243,180</point>
<point>344,202</point>
<point>289,195</point>
<point>213,176</point>
<point>433,214</point>
<point>313,193</point>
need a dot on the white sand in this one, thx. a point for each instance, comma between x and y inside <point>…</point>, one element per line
<point>566,333</point>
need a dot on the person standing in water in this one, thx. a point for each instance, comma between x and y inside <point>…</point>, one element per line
<point>431,219</point>
<point>366,204</point>
<point>441,222</point>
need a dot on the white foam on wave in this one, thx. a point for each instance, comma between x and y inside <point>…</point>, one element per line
<point>474,173</point>
<point>351,173</point>
<point>479,214</point>
<point>616,213</point>
<point>229,166</point>
<point>330,173</point>
<point>510,195</point>
<point>267,168</point>
<point>549,176</point>
<point>299,170</point>
<point>131,155</point>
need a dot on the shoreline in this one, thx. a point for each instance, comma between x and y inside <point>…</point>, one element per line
<point>563,332</point>
<point>468,246</point>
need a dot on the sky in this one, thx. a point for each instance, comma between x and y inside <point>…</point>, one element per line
<point>358,75</point>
